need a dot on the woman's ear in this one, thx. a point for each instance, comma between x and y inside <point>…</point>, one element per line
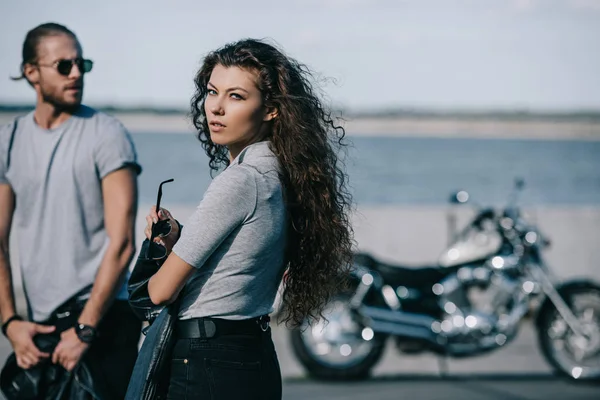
<point>270,114</point>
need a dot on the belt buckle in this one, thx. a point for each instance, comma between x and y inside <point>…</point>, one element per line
<point>210,329</point>
<point>263,323</point>
<point>61,315</point>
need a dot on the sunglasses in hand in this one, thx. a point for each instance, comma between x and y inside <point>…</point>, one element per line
<point>154,250</point>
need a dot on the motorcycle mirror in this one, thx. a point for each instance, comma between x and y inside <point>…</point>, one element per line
<point>460,197</point>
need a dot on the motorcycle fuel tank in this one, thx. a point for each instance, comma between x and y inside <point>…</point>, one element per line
<point>473,246</point>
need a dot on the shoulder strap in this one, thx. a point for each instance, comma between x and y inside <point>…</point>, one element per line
<point>241,156</point>
<point>10,142</point>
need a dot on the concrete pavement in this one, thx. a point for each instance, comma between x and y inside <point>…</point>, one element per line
<point>516,372</point>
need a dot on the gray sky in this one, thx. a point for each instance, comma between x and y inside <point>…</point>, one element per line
<point>537,54</point>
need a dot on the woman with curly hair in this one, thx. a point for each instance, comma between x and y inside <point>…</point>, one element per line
<point>279,203</point>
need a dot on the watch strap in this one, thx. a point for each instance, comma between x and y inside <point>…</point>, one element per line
<point>15,317</point>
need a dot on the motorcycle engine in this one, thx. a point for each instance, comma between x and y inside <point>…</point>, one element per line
<point>478,302</point>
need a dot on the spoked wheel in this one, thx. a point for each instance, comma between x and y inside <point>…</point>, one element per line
<point>574,355</point>
<point>339,349</point>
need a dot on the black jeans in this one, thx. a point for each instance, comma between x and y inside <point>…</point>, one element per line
<point>112,355</point>
<point>225,368</point>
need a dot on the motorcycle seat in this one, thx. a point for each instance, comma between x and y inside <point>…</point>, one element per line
<point>402,275</point>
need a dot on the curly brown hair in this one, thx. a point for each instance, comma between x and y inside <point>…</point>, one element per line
<point>307,142</point>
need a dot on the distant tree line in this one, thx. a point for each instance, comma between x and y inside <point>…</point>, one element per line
<point>515,115</point>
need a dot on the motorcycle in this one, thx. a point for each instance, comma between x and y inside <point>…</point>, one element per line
<point>486,282</point>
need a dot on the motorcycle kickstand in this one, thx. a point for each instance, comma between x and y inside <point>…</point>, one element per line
<point>442,362</point>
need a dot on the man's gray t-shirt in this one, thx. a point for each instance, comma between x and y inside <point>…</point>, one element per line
<point>59,216</point>
<point>236,239</point>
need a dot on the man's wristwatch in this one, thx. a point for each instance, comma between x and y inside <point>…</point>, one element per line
<point>86,333</point>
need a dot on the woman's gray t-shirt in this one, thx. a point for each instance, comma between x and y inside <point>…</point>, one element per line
<point>236,240</point>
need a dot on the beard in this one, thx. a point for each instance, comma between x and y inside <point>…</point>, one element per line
<point>58,98</point>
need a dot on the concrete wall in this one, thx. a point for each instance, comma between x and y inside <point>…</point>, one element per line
<point>418,235</point>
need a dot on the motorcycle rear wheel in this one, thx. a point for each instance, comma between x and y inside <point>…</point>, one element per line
<point>336,350</point>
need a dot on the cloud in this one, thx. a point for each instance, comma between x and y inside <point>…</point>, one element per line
<point>525,5</point>
<point>354,4</point>
<point>309,37</point>
<point>586,4</point>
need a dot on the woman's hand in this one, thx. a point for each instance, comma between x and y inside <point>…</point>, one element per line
<point>169,240</point>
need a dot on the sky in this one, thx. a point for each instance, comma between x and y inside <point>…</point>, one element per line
<point>367,54</point>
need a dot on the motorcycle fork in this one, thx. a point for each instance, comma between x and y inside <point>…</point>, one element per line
<point>366,282</point>
<point>561,306</point>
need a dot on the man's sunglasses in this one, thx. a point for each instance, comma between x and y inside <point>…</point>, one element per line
<point>163,227</point>
<point>64,67</point>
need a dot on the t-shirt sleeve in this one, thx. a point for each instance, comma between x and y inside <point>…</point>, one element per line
<point>115,150</point>
<point>5,134</point>
<point>229,202</point>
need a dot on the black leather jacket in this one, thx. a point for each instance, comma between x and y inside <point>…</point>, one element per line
<point>150,376</point>
<point>48,381</point>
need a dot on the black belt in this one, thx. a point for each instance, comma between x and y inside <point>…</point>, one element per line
<point>206,328</point>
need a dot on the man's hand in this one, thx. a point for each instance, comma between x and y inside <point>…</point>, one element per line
<point>20,334</point>
<point>70,350</point>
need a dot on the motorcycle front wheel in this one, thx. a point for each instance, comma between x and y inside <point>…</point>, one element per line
<point>339,348</point>
<point>572,355</point>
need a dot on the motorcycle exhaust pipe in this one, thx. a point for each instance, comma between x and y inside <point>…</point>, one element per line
<point>400,323</point>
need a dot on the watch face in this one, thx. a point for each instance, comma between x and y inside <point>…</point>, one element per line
<point>85,332</point>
